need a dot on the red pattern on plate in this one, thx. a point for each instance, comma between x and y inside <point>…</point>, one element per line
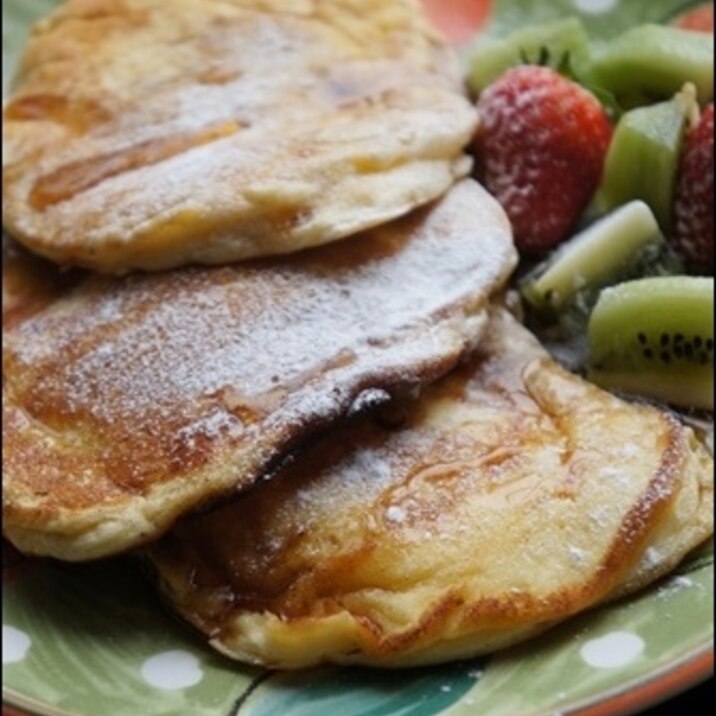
<point>700,19</point>
<point>459,19</point>
<point>659,689</point>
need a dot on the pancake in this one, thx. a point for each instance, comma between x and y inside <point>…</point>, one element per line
<point>143,134</point>
<point>128,402</point>
<point>513,496</point>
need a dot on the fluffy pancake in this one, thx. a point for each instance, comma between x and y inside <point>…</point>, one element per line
<point>146,136</point>
<point>128,402</point>
<point>514,495</point>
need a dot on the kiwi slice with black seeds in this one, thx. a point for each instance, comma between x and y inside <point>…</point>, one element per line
<point>655,338</point>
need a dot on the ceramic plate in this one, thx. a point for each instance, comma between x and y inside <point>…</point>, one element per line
<point>94,640</point>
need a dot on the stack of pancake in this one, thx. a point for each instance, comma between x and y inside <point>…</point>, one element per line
<point>255,333</point>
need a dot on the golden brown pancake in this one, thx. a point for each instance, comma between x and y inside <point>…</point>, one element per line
<point>147,134</point>
<point>513,496</point>
<point>128,402</point>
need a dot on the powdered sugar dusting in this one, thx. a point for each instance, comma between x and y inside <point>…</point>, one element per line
<point>395,514</point>
<point>212,426</point>
<point>652,558</point>
<point>616,474</point>
<point>169,367</point>
<point>243,130</point>
<point>629,450</point>
<point>381,518</point>
<point>676,585</point>
<point>174,351</point>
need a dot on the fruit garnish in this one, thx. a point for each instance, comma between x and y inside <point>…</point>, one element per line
<point>655,338</point>
<point>556,44</point>
<point>540,150</point>
<point>656,61</point>
<point>693,233</point>
<point>700,19</point>
<point>601,255</point>
<point>644,156</point>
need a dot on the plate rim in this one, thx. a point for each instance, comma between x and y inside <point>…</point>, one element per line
<point>632,697</point>
<point>657,687</point>
<point>628,698</point>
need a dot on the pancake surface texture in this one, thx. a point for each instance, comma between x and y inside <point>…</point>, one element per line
<point>147,134</point>
<point>128,402</point>
<point>513,496</point>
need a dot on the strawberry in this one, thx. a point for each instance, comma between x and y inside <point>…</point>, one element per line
<point>700,19</point>
<point>540,151</point>
<point>693,230</point>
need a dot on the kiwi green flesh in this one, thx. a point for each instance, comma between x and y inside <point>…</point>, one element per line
<point>554,44</point>
<point>643,159</point>
<point>694,390</point>
<point>655,337</point>
<point>599,256</point>
<point>655,60</point>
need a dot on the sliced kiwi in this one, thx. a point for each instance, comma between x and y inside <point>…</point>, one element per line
<point>655,337</point>
<point>656,61</point>
<point>601,255</point>
<point>643,157</point>
<point>556,44</point>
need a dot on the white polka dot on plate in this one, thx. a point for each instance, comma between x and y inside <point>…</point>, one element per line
<point>613,650</point>
<point>15,644</point>
<point>595,7</point>
<point>172,670</point>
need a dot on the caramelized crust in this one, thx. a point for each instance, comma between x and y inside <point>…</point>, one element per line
<point>146,136</point>
<point>513,496</point>
<point>128,402</point>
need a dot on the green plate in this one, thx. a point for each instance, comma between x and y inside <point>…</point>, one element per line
<point>94,640</point>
